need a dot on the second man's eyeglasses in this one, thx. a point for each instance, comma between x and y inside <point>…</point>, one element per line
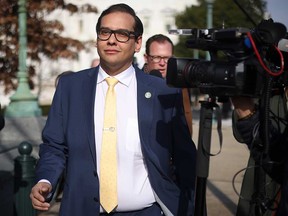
<point>157,59</point>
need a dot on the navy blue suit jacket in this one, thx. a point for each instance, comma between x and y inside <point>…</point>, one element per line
<point>69,141</point>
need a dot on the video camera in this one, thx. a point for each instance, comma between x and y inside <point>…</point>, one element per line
<point>250,56</point>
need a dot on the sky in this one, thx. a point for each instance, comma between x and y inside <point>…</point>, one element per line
<point>278,10</point>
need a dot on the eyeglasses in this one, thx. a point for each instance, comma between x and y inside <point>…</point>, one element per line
<point>121,35</point>
<point>157,59</point>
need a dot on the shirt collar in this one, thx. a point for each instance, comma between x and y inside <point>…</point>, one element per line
<point>124,77</point>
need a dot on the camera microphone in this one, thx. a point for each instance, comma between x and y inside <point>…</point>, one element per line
<point>156,73</point>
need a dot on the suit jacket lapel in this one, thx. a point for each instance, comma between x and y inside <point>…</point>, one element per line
<point>145,101</point>
<point>89,90</point>
<point>146,96</point>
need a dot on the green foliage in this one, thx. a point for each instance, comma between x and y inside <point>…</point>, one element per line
<point>43,37</point>
<point>226,14</point>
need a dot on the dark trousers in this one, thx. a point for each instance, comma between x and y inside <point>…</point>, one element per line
<point>153,210</point>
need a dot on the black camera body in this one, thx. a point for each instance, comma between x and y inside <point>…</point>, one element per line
<point>239,73</point>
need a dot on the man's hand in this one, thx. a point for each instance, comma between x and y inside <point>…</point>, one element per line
<point>39,194</point>
<point>243,106</point>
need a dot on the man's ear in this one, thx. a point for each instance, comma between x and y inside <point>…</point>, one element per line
<point>138,44</point>
<point>145,58</point>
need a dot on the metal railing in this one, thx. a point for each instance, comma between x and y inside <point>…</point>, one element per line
<point>24,176</point>
<point>24,180</point>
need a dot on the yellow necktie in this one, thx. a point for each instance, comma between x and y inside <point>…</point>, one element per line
<point>108,163</point>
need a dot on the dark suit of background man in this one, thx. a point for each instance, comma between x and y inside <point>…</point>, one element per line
<point>151,129</point>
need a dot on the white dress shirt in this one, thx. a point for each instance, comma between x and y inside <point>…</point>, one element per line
<point>134,189</point>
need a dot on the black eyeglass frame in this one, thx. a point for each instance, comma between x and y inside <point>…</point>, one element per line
<point>115,32</point>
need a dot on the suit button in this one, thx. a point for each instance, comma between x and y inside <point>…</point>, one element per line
<point>95,199</point>
<point>95,173</point>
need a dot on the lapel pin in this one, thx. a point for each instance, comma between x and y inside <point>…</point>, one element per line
<point>148,95</point>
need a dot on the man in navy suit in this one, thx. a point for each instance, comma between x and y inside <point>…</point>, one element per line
<point>152,134</point>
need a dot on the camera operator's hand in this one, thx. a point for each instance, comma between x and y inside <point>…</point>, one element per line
<point>244,107</point>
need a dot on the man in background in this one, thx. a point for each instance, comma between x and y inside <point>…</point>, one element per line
<point>159,48</point>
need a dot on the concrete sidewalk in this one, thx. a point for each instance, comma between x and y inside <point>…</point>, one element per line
<point>221,199</point>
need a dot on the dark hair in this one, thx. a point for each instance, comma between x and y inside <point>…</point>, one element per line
<point>160,38</point>
<point>138,26</point>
